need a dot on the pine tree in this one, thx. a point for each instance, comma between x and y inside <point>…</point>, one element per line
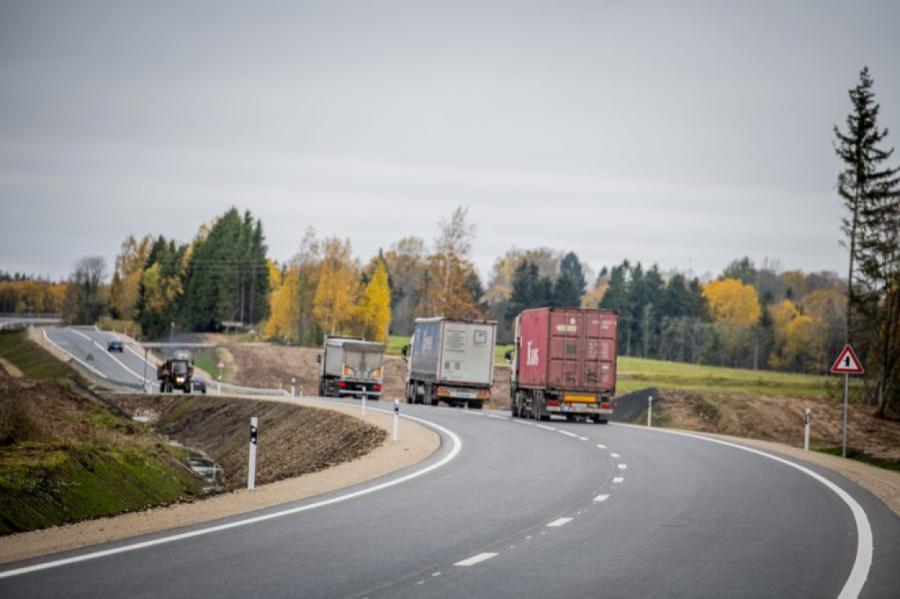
<point>870,191</point>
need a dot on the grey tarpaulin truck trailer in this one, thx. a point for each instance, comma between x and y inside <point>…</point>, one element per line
<point>350,366</point>
<point>452,361</point>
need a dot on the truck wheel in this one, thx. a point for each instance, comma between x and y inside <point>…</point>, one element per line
<point>475,404</point>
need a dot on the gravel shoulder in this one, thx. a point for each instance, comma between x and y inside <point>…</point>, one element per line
<point>416,443</point>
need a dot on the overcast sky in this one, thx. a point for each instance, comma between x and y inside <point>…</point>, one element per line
<point>681,133</point>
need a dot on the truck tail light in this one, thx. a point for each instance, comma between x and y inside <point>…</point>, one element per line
<point>484,394</point>
<point>342,384</point>
<point>443,392</point>
<point>378,387</point>
<point>553,402</point>
<point>347,371</point>
<point>604,405</point>
<point>377,373</point>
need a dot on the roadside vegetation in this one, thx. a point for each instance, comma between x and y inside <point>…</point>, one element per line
<point>34,361</point>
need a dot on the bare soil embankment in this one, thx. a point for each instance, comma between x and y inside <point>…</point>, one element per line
<point>297,439</point>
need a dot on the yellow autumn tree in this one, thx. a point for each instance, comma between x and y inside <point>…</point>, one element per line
<point>283,308</point>
<point>338,284</point>
<point>732,301</point>
<point>782,314</point>
<point>804,345</point>
<point>374,309</point>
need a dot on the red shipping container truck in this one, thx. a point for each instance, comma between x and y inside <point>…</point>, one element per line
<point>564,363</point>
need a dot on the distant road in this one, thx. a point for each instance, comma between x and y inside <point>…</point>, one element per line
<point>87,346</point>
<point>18,321</point>
<point>518,509</point>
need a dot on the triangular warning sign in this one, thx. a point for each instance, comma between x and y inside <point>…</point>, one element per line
<point>847,362</point>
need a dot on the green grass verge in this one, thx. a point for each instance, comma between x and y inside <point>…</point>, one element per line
<point>208,360</point>
<point>47,485</point>
<point>34,361</point>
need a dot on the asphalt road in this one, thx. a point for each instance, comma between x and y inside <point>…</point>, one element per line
<point>88,346</point>
<point>522,510</point>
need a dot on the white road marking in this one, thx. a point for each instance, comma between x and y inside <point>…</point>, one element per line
<point>623,466</point>
<point>568,434</point>
<point>600,498</point>
<point>582,438</point>
<point>71,355</point>
<point>528,538</point>
<point>601,446</point>
<point>498,417</point>
<point>475,559</point>
<point>863,562</point>
<point>618,479</point>
<point>545,427</point>
<point>614,455</point>
<point>560,522</point>
<point>525,422</point>
<point>117,361</point>
<point>435,574</point>
<point>421,582</point>
<point>451,455</point>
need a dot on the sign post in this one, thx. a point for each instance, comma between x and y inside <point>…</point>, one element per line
<point>251,470</point>
<point>396,419</point>
<point>806,429</point>
<point>221,366</point>
<point>847,363</point>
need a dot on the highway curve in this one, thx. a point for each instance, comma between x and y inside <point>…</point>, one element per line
<point>519,509</point>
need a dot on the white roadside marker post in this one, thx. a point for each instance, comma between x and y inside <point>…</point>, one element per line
<point>650,410</point>
<point>219,385</point>
<point>806,414</point>
<point>363,405</point>
<point>293,386</point>
<point>251,470</point>
<point>396,419</point>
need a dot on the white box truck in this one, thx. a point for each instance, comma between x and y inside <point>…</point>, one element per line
<point>350,366</point>
<point>452,361</point>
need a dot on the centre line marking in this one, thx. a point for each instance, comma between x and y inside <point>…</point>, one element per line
<point>568,434</point>
<point>618,479</point>
<point>599,498</point>
<point>614,455</point>
<point>582,438</point>
<point>601,446</point>
<point>475,559</point>
<point>560,522</point>
<point>623,466</point>
<point>545,427</point>
<point>498,417</point>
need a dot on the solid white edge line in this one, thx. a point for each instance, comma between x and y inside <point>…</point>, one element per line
<point>71,355</point>
<point>117,361</point>
<point>600,498</point>
<point>863,562</point>
<point>454,451</point>
<point>475,559</point>
<point>560,522</point>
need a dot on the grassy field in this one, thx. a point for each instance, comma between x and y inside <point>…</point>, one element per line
<point>635,374</point>
<point>638,373</point>
<point>208,360</point>
<point>34,361</point>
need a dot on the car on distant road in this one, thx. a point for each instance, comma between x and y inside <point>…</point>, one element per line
<point>115,345</point>
<point>199,384</point>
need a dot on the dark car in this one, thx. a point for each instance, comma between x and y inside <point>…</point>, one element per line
<point>198,384</point>
<point>115,345</point>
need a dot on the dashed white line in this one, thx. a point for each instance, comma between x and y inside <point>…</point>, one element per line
<point>525,422</point>
<point>618,479</point>
<point>614,455</point>
<point>498,417</point>
<point>559,522</point>
<point>568,434</point>
<point>435,574</point>
<point>623,466</point>
<point>545,427</point>
<point>601,498</point>
<point>601,446</point>
<point>582,438</point>
<point>475,559</point>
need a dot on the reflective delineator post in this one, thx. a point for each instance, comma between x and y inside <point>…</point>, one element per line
<point>396,419</point>
<point>363,405</point>
<point>293,387</point>
<point>806,414</point>
<point>251,470</point>
<point>219,385</point>
<point>650,410</point>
